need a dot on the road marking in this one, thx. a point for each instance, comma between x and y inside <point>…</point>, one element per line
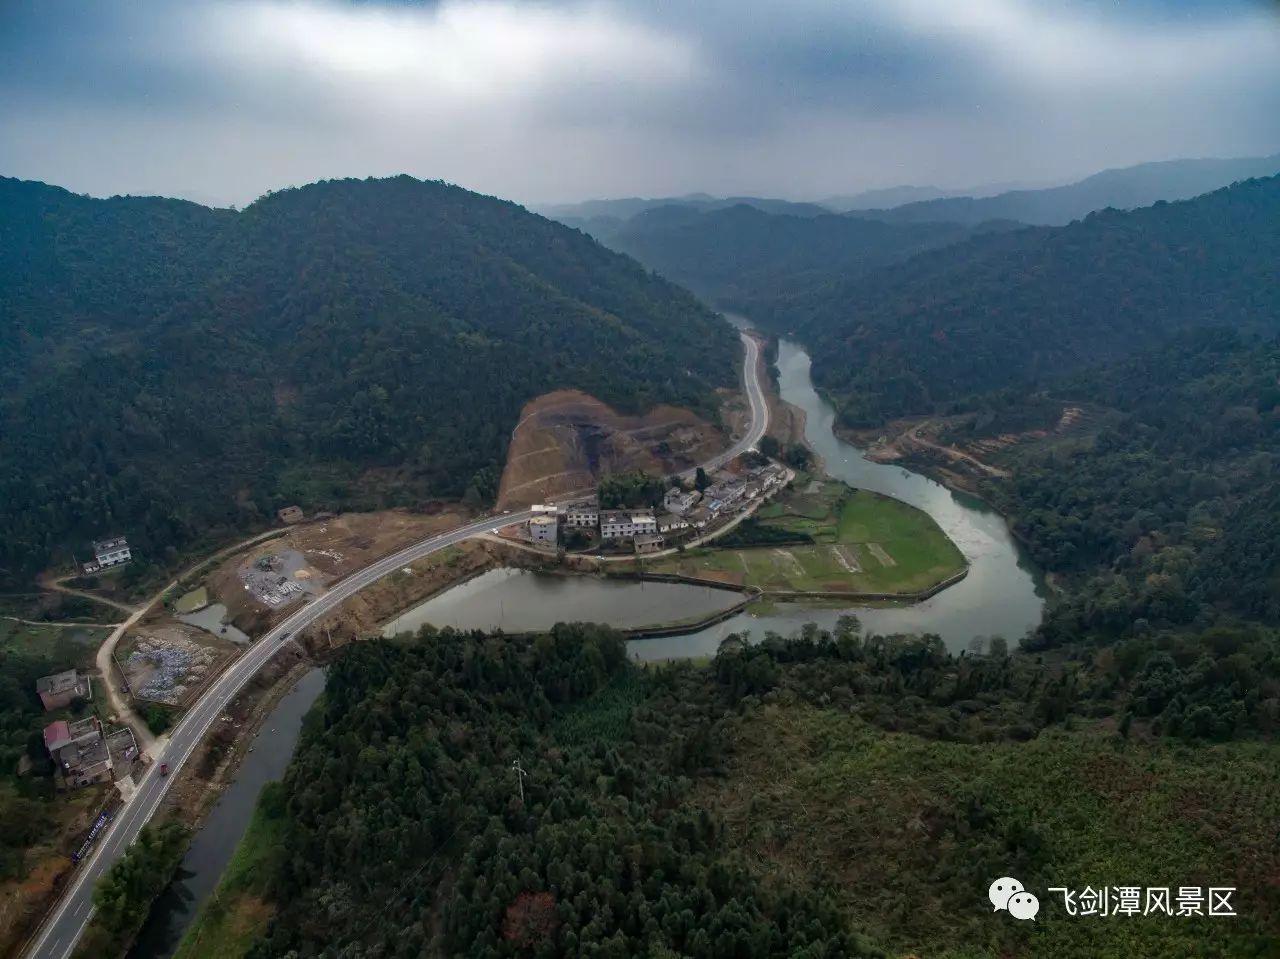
<point>194,724</point>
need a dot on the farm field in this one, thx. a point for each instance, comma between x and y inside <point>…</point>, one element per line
<point>861,542</point>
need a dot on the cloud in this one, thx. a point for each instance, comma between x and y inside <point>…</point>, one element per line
<point>572,98</point>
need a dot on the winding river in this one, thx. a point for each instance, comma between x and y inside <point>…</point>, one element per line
<point>1002,596</point>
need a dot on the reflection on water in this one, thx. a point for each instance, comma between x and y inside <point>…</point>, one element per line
<point>1002,595</point>
<point>518,600</point>
<point>210,619</point>
<point>215,841</point>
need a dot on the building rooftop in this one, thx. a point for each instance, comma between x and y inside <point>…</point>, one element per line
<point>542,521</point>
<point>102,545</point>
<point>648,538</point>
<point>58,682</point>
<point>56,735</point>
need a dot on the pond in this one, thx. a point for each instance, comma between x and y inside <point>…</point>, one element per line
<point>210,619</point>
<point>518,600</point>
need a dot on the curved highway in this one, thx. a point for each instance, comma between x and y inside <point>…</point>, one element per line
<point>62,929</point>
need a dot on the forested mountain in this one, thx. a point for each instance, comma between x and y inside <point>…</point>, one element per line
<point>1022,306</point>
<point>171,370</point>
<point>1169,517</point>
<point>740,255</point>
<point>1124,189</point>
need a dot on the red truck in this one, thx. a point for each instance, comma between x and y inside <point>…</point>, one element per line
<point>164,769</point>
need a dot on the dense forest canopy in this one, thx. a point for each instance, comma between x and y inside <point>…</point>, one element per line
<point>1169,514</point>
<point>410,833</point>
<point>654,818</point>
<point>170,370</point>
<point>1025,306</point>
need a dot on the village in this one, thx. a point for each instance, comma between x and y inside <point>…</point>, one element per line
<point>82,750</point>
<point>710,504</point>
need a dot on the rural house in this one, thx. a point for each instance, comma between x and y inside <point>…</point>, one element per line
<point>57,691</point>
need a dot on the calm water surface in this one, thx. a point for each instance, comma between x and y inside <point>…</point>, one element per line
<point>216,840</point>
<point>1002,596</point>
<point>518,600</point>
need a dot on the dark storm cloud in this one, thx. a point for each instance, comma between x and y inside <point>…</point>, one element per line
<point>570,98</point>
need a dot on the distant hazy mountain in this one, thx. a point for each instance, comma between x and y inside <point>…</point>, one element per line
<point>605,215</point>
<point>739,254</point>
<point>1028,304</point>
<point>1124,189</point>
<point>887,197</point>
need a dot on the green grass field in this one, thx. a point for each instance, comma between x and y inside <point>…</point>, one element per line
<point>228,923</point>
<point>72,645</point>
<point>908,832</point>
<point>863,542</point>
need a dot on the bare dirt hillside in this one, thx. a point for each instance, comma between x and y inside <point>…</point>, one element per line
<point>566,440</point>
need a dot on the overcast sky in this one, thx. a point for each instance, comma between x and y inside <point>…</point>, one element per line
<point>566,100</point>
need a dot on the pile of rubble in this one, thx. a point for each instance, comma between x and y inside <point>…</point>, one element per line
<point>173,665</point>
<point>269,582</point>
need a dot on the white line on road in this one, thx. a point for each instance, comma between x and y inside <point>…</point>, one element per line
<point>191,729</point>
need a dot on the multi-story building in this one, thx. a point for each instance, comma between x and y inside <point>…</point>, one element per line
<point>579,515</point>
<point>625,524</point>
<point>670,523</point>
<point>109,552</point>
<point>79,751</point>
<point>648,543</point>
<point>57,691</point>
<point>678,501</point>
<point>544,530</point>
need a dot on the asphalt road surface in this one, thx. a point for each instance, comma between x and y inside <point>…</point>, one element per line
<point>64,926</point>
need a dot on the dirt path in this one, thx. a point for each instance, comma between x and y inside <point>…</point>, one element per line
<point>783,558</point>
<point>846,559</point>
<point>913,436</point>
<point>38,622</point>
<point>113,680</point>
<point>56,584</point>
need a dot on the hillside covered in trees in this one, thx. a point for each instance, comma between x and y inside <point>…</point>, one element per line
<point>410,833</point>
<point>835,795</point>
<point>1167,517</point>
<point>1021,307</point>
<point>169,371</point>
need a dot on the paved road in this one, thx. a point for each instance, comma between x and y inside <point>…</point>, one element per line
<point>65,925</point>
<point>759,408</point>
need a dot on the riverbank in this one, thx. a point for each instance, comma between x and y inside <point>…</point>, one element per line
<point>264,725</point>
<point>212,769</point>
<point>826,539</point>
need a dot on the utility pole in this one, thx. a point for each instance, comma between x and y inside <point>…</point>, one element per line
<point>520,774</point>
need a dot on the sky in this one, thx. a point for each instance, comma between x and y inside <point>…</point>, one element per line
<point>569,99</point>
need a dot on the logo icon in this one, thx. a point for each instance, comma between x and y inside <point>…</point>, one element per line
<point>1008,893</point>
